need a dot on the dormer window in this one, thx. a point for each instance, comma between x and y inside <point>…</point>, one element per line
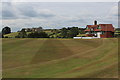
<point>99,27</point>
<point>87,28</point>
<point>91,29</point>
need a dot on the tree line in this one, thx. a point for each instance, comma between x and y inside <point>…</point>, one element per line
<point>64,33</point>
<point>23,34</point>
<point>69,32</point>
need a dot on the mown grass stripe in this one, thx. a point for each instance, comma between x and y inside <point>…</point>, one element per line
<point>21,54</point>
<point>51,50</point>
<point>101,57</point>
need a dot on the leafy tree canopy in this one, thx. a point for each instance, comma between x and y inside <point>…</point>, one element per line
<point>6,30</point>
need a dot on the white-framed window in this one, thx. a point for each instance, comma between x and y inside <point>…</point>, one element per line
<point>87,32</point>
<point>87,28</point>
<point>102,32</point>
<point>91,29</point>
<point>99,27</point>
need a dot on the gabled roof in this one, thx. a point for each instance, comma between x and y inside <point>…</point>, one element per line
<point>103,27</point>
<point>107,27</point>
<point>89,26</point>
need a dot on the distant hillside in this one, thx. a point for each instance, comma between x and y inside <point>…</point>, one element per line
<point>53,33</point>
<point>117,32</point>
<point>13,34</point>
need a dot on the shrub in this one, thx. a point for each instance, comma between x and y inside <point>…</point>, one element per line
<point>38,35</point>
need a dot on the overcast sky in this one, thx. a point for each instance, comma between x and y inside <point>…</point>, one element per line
<point>19,15</point>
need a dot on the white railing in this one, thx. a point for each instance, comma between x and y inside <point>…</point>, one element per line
<point>85,37</point>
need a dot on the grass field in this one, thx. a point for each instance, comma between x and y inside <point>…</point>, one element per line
<point>60,58</point>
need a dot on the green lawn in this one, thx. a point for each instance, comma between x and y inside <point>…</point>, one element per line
<point>60,58</point>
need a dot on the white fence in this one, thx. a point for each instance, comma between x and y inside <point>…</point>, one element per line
<point>85,37</point>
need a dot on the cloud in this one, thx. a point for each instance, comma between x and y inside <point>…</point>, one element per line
<point>114,11</point>
<point>60,1</point>
<point>57,15</point>
<point>8,11</point>
<point>45,13</point>
<point>7,14</point>
<point>24,10</point>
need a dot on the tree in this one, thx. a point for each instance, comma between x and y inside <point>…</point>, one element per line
<point>38,35</point>
<point>22,34</point>
<point>82,30</point>
<point>73,32</point>
<point>6,30</point>
<point>117,32</point>
<point>64,32</point>
<point>69,32</point>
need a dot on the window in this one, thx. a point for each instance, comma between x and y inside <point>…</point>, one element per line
<point>86,27</point>
<point>91,29</point>
<point>87,32</point>
<point>103,32</point>
<point>99,27</point>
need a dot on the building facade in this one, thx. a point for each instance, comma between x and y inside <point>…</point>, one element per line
<point>100,30</point>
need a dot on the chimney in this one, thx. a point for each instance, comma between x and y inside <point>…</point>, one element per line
<point>95,22</point>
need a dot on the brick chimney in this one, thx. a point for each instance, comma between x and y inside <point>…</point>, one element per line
<point>95,22</point>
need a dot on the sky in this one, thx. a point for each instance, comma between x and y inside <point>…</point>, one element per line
<point>50,15</point>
